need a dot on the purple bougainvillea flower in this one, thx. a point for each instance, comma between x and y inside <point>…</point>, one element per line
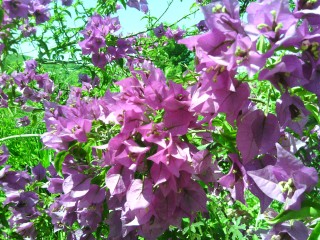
<point>84,78</point>
<point>286,74</point>
<point>236,180</point>
<point>257,133</point>
<point>202,26</point>
<point>90,217</point>
<point>177,98</point>
<point>23,202</point>
<point>302,4</point>
<point>231,102</point>
<point>287,230</point>
<point>156,90</point>
<point>39,172</point>
<point>4,155</point>
<point>256,164</point>
<point>290,143</point>
<point>223,16</point>
<point>22,122</point>
<point>313,75</point>
<point>27,230</point>
<point>40,12</point>
<point>141,5</point>
<point>3,99</point>
<point>292,113</point>
<point>144,6</point>
<point>66,2</point>
<point>99,60</point>
<point>1,47</point>
<point>287,180</point>
<point>44,2</point>
<point>44,82</point>
<point>16,8</point>
<point>178,122</point>
<point>204,169</point>
<point>309,10</point>
<point>55,185</point>
<point>93,43</point>
<point>75,130</point>
<point>192,198</point>
<point>159,173</point>
<point>176,34</point>
<point>153,229</point>
<point>171,155</point>
<point>135,218</point>
<point>4,78</point>
<point>134,4</point>
<point>213,43</point>
<point>77,185</point>
<point>130,155</point>
<point>95,196</point>
<point>159,31</point>
<point>11,180</point>
<point>272,18</point>
<point>139,194</point>
<point>243,52</point>
<point>31,65</point>
<point>165,205</point>
<point>118,179</point>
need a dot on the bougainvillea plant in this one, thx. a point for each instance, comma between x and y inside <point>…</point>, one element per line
<point>135,157</point>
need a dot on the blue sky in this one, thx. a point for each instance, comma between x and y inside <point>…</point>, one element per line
<point>130,18</point>
<point>132,22</point>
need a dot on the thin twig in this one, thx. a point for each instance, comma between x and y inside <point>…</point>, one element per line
<point>162,14</point>
<point>20,136</point>
<point>47,61</point>
<point>149,29</point>
<point>179,20</point>
<point>257,100</point>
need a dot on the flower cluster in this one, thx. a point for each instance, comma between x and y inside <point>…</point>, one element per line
<point>79,200</point>
<point>152,179</point>
<point>22,203</point>
<point>231,45</point>
<point>169,33</point>
<point>4,154</point>
<point>141,5</point>
<point>26,85</point>
<point>153,167</point>
<point>99,41</point>
<point>128,160</point>
<point>25,8</point>
<point>32,12</point>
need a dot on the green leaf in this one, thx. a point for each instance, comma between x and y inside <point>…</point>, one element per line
<point>263,45</point>
<point>120,62</point>
<point>203,147</point>
<point>308,209</point>
<point>44,46</point>
<point>1,15</point>
<point>67,12</point>
<point>124,4</point>
<point>314,111</point>
<point>100,178</point>
<point>34,120</point>
<point>58,160</point>
<point>315,235</point>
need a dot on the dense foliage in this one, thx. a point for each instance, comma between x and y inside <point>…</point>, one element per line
<point>209,132</point>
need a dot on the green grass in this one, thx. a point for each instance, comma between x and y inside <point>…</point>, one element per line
<point>63,72</point>
<point>24,151</point>
<point>29,151</point>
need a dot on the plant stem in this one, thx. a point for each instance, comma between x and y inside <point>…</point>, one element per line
<point>267,109</point>
<point>20,136</point>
